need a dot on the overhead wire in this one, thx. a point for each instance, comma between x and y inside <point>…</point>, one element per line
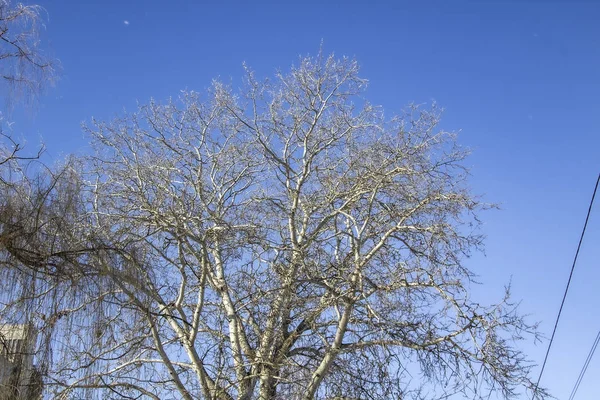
<point>585,366</point>
<point>562,303</point>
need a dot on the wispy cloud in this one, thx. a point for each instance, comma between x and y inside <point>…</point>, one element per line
<point>126,22</point>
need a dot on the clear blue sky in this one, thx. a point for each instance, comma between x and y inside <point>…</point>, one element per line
<point>520,79</point>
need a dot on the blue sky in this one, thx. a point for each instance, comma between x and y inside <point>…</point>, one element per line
<point>520,80</point>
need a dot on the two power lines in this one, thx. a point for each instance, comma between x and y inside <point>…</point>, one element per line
<point>595,344</point>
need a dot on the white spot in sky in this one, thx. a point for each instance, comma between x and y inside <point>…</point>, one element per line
<point>126,22</point>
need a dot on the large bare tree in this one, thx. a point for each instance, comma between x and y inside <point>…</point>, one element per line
<point>287,241</point>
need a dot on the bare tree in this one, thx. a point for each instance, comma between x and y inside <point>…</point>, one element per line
<point>284,242</point>
<point>24,73</point>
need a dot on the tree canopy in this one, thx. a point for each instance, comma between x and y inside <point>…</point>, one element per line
<point>283,241</point>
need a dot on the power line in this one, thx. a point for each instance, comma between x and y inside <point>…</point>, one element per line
<point>585,366</point>
<point>562,303</point>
